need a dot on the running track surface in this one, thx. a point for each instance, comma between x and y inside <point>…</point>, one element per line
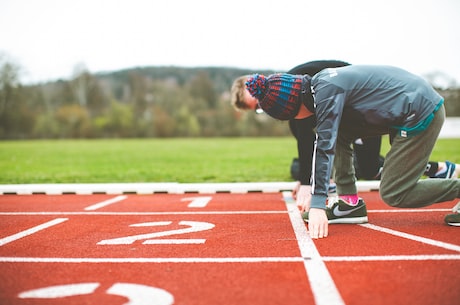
<point>219,248</point>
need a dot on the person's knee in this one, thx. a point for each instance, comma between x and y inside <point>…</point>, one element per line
<point>394,200</point>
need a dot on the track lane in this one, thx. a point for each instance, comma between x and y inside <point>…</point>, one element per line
<point>250,256</point>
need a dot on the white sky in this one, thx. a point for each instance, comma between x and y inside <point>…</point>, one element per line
<point>48,38</point>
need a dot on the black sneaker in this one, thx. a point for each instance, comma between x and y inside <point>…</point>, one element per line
<point>454,219</point>
<point>451,171</point>
<point>338,211</point>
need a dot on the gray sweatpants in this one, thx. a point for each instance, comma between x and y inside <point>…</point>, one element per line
<point>400,185</point>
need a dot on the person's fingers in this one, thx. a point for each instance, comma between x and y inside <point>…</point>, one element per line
<point>301,207</point>
<point>318,231</point>
<point>295,191</point>
<point>313,231</point>
<point>321,231</point>
<point>300,203</point>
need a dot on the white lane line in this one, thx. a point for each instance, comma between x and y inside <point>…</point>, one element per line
<point>420,239</point>
<point>191,212</point>
<point>30,231</point>
<point>151,260</point>
<point>409,210</point>
<point>435,257</point>
<point>105,203</point>
<point>141,213</point>
<point>323,287</point>
<point>159,260</point>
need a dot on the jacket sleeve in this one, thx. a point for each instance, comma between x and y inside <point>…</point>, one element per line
<point>303,129</point>
<point>329,106</point>
<point>305,137</point>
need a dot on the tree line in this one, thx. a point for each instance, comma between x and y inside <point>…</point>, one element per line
<point>137,103</point>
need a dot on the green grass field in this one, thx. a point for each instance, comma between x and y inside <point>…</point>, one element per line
<point>161,160</point>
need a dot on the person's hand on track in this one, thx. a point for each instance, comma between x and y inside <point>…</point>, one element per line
<point>303,197</point>
<point>317,223</point>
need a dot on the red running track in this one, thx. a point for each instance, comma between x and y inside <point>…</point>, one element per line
<point>219,249</point>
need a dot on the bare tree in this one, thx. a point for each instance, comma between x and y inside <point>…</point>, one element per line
<point>9,82</point>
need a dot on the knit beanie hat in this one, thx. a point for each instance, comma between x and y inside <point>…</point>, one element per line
<point>278,94</point>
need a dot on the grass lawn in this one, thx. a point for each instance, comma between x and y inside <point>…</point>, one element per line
<point>161,160</point>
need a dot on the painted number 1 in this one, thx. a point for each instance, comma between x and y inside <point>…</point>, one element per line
<point>154,238</point>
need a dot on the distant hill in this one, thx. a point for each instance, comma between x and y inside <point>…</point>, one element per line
<point>157,101</point>
<point>222,77</point>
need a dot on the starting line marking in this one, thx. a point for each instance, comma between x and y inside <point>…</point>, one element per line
<point>322,285</point>
<point>30,231</point>
<point>424,240</point>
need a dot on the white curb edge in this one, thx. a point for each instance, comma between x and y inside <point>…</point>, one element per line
<point>153,188</point>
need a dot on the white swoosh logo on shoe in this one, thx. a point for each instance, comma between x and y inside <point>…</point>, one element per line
<point>340,213</point>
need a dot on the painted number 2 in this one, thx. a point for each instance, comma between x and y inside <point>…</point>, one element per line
<point>155,238</point>
<point>136,294</point>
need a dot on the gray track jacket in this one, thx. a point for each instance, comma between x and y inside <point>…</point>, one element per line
<point>365,101</point>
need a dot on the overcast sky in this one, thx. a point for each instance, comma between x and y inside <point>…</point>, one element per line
<point>48,38</point>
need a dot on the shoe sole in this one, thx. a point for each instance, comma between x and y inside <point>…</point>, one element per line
<point>352,220</point>
<point>455,224</point>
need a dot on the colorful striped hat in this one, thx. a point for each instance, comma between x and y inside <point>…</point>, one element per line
<point>278,94</point>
